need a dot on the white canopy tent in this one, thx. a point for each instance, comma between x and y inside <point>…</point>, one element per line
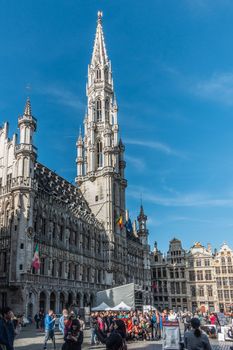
<point>102,307</point>
<point>121,307</point>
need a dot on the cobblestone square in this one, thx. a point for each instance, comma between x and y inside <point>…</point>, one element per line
<point>30,339</point>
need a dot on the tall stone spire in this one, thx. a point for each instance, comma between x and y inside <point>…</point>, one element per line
<point>99,55</point>
<point>100,160</point>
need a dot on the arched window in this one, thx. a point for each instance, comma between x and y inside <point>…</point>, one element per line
<point>99,154</point>
<point>107,110</point>
<point>98,74</point>
<point>60,269</point>
<point>98,110</point>
<point>42,266</point>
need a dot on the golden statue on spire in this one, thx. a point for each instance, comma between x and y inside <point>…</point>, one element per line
<point>100,15</point>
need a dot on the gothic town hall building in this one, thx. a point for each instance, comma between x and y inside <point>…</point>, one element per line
<point>81,247</point>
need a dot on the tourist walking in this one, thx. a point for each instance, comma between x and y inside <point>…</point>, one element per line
<point>37,320</point>
<point>93,323</point>
<point>195,339</point>
<point>7,332</point>
<point>62,321</point>
<point>49,328</point>
<point>41,322</point>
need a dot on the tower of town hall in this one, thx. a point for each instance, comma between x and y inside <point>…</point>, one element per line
<point>79,232</point>
<point>100,155</point>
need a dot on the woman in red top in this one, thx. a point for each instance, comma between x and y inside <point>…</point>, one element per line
<point>213,319</point>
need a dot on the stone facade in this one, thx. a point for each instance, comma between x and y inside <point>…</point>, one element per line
<point>169,277</point>
<point>193,279</point>
<point>81,248</point>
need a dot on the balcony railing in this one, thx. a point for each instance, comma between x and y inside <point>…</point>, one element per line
<point>57,281</point>
<point>25,147</point>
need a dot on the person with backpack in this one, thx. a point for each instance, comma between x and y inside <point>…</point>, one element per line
<point>62,321</point>
<point>153,321</point>
<point>195,339</point>
<point>74,337</point>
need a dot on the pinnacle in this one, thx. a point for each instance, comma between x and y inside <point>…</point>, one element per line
<point>28,108</point>
<point>99,55</point>
<point>100,15</point>
<point>80,134</point>
<point>141,211</point>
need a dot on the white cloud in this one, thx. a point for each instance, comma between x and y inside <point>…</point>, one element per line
<point>218,88</point>
<point>158,146</point>
<point>182,200</point>
<point>62,96</point>
<point>136,162</point>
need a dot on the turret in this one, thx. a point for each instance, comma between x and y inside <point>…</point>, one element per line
<point>25,151</point>
<point>27,125</point>
<point>142,229</point>
<point>79,159</point>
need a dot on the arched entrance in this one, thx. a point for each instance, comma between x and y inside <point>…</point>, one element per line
<point>42,301</point>
<point>70,299</point>
<point>61,302</point>
<point>85,300</point>
<point>53,301</point>
<point>78,299</point>
<point>92,300</point>
<point>30,310</point>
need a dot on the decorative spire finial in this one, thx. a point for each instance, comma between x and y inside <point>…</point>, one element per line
<point>80,134</point>
<point>100,15</point>
<point>28,108</point>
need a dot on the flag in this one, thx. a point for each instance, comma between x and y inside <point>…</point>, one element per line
<point>119,222</point>
<point>154,285</point>
<point>128,226</point>
<point>36,259</point>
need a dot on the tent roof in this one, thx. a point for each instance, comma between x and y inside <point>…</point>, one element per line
<point>103,306</point>
<point>121,306</point>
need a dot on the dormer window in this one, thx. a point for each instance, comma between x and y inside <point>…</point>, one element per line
<point>98,110</point>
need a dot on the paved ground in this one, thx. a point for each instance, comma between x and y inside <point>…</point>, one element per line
<point>30,339</point>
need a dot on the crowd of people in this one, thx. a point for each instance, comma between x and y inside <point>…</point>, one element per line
<point>111,328</point>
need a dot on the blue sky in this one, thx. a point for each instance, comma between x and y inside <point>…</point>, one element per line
<point>173,74</point>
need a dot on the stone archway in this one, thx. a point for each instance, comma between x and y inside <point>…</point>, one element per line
<point>70,299</point>
<point>42,301</point>
<point>78,299</point>
<point>85,300</point>
<point>30,310</point>
<point>92,300</point>
<point>53,301</point>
